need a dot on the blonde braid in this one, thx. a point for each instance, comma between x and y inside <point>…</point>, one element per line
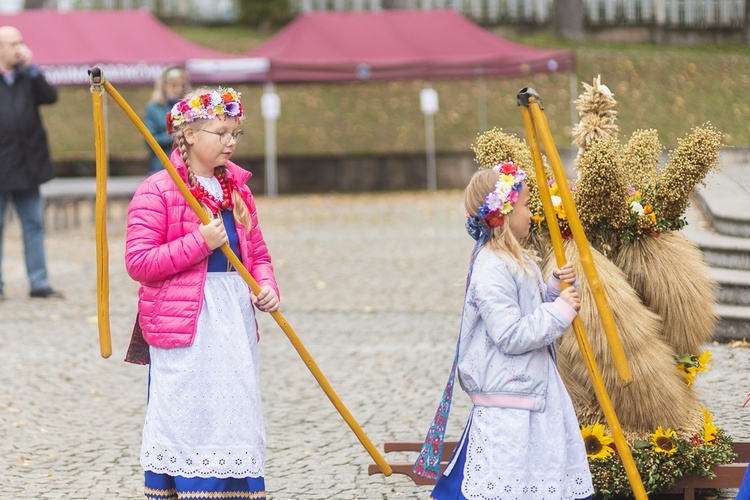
<point>241,212</point>
<point>179,139</point>
<point>182,146</point>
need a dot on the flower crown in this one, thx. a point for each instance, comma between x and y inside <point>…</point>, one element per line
<point>219,102</point>
<point>499,202</point>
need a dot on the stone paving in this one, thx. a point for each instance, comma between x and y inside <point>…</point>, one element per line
<point>373,286</point>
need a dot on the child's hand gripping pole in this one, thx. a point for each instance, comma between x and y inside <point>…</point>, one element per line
<point>296,342</point>
<point>533,118</point>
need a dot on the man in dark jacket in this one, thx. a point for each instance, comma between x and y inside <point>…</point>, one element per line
<point>24,154</point>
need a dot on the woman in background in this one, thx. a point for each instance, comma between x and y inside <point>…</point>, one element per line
<point>169,88</point>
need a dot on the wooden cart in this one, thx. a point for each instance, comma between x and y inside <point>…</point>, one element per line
<point>727,476</point>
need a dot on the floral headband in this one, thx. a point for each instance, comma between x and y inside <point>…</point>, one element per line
<point>219,102</point>
<point>498,203</point>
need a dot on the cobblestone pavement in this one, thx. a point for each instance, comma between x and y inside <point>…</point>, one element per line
<point>373,286</point>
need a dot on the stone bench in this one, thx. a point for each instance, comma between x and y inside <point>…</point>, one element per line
<point>65,198</point>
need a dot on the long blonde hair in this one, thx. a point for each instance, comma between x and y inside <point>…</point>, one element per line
<point>501,239</point>
<point>241,211</point>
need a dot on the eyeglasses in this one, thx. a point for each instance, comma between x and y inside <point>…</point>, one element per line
<point>226,137</point>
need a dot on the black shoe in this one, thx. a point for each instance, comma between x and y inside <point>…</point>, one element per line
<point>45,293</point>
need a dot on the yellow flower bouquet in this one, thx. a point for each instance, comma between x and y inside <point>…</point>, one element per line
<point>661,459</point>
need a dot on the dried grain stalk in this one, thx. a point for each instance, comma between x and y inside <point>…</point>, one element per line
<point>639,159</point>
<point>671,277</point>
<point>596,107</point>
<point>687,167</point>
<point>600,194</point>
<point>658,394</point>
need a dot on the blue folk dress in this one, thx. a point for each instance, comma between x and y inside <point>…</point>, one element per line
<point>516,454</point>
<point>508,453</point>
<point>204,437</point>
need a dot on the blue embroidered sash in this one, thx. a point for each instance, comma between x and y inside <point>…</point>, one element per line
<point>428,462</point>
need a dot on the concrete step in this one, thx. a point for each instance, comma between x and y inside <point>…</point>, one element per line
<point>729,258</point>
<point>720,250</point>
<point>725,200</point>
<point>734,286</point>
<point>734,323</point>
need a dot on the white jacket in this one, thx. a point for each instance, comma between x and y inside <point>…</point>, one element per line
<point>510,323</point>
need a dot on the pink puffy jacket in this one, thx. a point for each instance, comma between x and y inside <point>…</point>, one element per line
<point>166,253</point>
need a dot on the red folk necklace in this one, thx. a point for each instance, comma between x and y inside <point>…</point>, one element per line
<point>215,205</point>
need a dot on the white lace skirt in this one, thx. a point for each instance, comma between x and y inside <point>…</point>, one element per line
<point>204,416</point>
<point>515,453</point>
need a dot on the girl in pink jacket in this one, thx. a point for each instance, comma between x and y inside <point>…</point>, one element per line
<point>204,430</point>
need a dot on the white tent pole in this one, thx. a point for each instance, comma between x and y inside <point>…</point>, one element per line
<point>428,100</point>
<point>270,108</point>
<point>429,130</point>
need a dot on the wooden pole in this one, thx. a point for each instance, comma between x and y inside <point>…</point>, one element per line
<point>102,249</point>
<point>584,250</point>
<point>602,396</point>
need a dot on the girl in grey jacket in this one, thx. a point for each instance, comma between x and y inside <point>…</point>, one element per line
<point>522,439</point>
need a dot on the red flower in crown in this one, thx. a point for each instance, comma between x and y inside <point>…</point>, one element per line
<point>495,219</point>
<point>508,168</point>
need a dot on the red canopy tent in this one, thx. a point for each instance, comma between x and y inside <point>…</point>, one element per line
<point>389,44</point>
<point>131,46</point>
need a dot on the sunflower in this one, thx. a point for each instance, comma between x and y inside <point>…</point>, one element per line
<point>664,441</point>
<point>709,429</point>
<point>704,361</point>
<point>689,373</point>
<point>597,442</point>
<point>690,365</point>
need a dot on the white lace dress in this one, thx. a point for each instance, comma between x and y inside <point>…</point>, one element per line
<point>527,455</point>
<point>204,416</point>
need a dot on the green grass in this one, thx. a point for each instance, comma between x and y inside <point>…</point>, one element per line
<point>670,89</point>
<point>231,39</point>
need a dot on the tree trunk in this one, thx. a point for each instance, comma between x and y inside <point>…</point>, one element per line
<point>746,26</point>
<point>569,19</point>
